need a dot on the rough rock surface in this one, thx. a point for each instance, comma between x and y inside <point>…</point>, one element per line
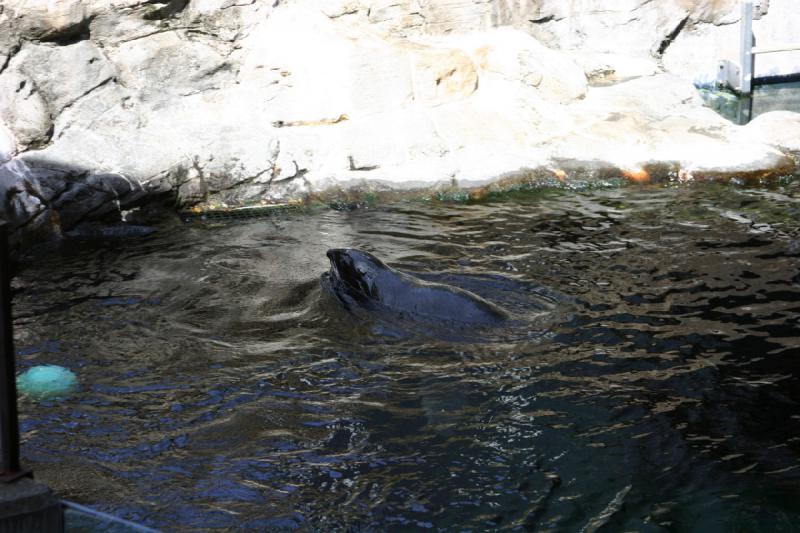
<point>105,103</point>
<point>695,52</point>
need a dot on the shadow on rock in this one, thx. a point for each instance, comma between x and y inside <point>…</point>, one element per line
<point>45,199</point>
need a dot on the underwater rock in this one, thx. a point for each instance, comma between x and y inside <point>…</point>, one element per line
<point>102,231</point>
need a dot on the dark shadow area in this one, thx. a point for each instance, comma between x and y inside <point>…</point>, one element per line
<point>46,200</point>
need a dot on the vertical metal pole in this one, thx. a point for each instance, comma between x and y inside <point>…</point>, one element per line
<point>744,110</point>
<point>746,48</point>
<point>9,424</point>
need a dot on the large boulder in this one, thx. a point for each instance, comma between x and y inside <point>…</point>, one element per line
<point>780,129</point>
<point>658,121</point>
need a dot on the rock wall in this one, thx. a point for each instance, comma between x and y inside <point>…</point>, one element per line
<point>105,103</point>
<point>695,52</point>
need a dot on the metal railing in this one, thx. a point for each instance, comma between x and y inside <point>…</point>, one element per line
<point>748,50</point>
<point>75,514</point>
<point>82,518</point>
<point>9,422</point>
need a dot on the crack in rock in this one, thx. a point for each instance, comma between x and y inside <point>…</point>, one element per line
<point>84,94</point>
<point>298,173</point>
<point>670,38</point>
<point>11,53</point>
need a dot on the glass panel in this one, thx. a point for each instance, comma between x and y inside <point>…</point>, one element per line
<point>80,519</point>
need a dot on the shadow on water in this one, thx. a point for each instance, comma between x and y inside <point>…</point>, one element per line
<point>221,389</point>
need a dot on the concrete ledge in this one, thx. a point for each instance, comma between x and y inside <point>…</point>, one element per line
<point>26,505</point>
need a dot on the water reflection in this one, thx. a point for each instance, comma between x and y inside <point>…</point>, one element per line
<point>222,390</point>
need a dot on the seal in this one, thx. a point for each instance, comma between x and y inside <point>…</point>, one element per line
<point>359,278</point>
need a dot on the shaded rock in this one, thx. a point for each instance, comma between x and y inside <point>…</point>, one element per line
<point>94,195</point>
<point>61,22</point>
<point>22,199</point>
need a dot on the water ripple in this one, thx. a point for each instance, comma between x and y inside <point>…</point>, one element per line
<point>650,381</point>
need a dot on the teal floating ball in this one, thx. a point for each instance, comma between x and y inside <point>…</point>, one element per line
<point>46,382</point>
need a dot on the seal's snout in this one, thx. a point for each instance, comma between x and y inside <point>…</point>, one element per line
<point>359,277</point>
<point>335,254</point>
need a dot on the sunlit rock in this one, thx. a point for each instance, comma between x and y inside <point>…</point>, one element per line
<point>23,110</point>
<point>632,26</point>
<point>8,145</point>
<point>64,74</point>
<point>608,68</point>
<point>696,51</point>
<point>519,58</point>
<point>780,129</point>
<point>225,102</point>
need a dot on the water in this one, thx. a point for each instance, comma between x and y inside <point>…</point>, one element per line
<point>765,98</point>
<point>222,389</point>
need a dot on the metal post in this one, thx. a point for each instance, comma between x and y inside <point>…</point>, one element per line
<point>744,110</point>
<point>746,48</point>
<point>9,424</point>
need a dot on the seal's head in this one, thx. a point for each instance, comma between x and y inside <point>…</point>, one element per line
<point>355,271</point>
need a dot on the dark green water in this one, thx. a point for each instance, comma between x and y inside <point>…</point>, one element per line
<point>765,98</point>
<point>222,389</point>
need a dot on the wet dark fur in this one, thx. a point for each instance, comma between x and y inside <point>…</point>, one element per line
<point>358,278</point>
